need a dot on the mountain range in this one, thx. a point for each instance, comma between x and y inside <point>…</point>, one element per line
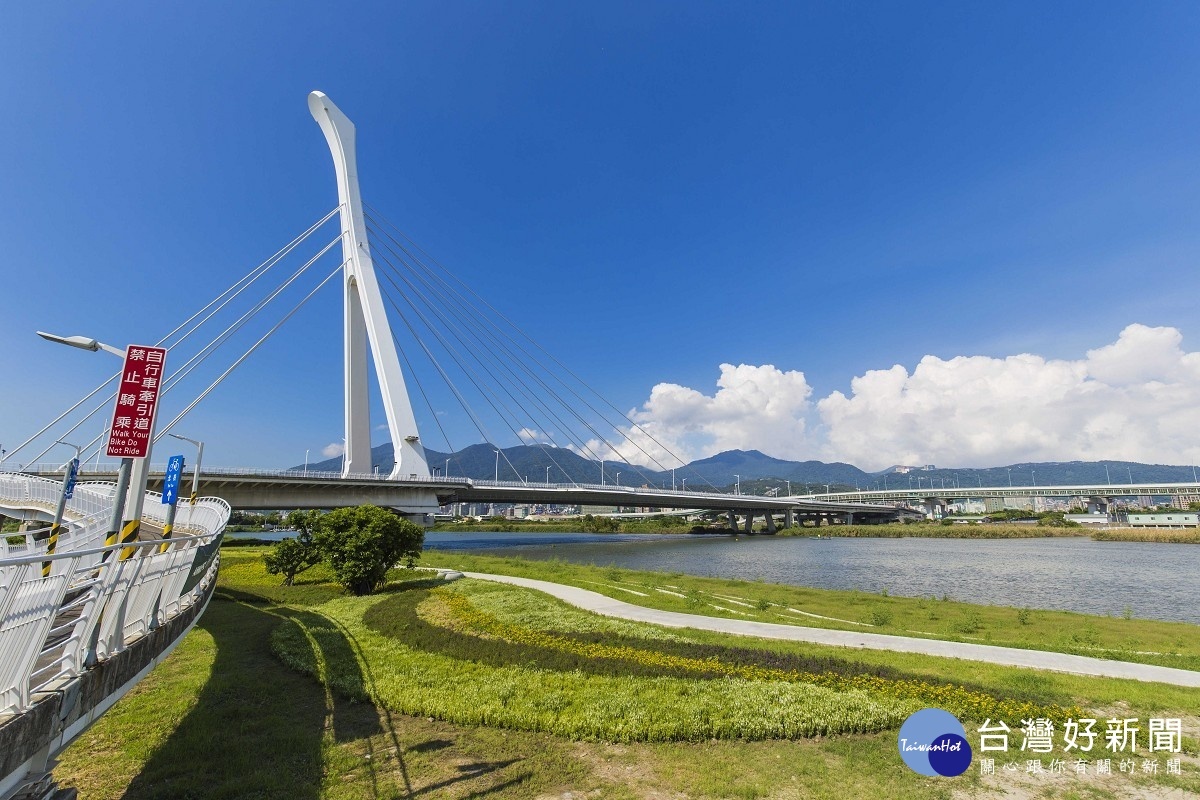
<point>755,471</point>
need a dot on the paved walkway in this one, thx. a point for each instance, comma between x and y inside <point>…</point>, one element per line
<point>1011,656</point>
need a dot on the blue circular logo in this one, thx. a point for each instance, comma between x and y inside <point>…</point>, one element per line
<point>933,742</point>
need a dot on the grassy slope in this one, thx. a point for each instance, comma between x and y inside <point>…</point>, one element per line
<point>222,718</point>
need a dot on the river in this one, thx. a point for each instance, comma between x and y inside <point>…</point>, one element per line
<point>1155,581</point>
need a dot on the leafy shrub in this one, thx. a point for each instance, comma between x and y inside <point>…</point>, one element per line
<point>363,543</point>
<point>292,556</point>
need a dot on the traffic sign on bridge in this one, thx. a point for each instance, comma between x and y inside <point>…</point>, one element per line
<point>137,402</point>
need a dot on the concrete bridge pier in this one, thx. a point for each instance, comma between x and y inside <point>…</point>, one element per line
<point>789,520</point>
<point>1098,505</point>
<point>770,521</point>
<point>732,521</point>
<point>849,517</point>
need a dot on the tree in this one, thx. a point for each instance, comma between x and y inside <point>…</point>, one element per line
<point>363,543</point>
<point>292,556</point>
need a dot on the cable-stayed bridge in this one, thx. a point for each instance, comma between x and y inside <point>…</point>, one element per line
<point>107,574</point>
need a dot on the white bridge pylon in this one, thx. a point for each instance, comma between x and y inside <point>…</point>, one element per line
<point>366,319</point>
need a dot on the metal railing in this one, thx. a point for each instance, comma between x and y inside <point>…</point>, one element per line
<point>94,601</point>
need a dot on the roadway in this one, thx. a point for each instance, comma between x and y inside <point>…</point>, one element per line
<point>246,489</point>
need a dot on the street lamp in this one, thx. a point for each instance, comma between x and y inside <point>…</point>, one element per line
<point>82,342</point>
<point>1108,478</point>
<point>446,471</point>
<point>199,459</point>
<point>497,477</point>
<point>738,488</point>
<point>618,478</point>
<point>1009,476</point>
<point>116,523</point>
<point>602,472</point>
<point>684,483</point>
<point>1032,478</point>
<point>547,474</point>
<point>306,463</point>
<point>1130,471</point>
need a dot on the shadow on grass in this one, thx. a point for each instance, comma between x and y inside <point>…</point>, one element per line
<point>261,730</point>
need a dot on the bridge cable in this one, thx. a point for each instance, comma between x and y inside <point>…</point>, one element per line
<point>249,279</point>
<point>504,415</point>
<point>450,325</point>
<point>247,354</point>
<point>205,352</point>
<point>563,366</point>
<point>521,366</point>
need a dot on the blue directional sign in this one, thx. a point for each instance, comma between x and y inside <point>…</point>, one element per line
<point>72,474</point>
<point>171,481</point>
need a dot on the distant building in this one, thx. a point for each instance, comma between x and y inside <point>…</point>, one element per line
<point>1088,519</point>
<point>1175,520</point>
<point>1182,501</point>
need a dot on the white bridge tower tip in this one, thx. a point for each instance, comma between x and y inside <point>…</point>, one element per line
<point>366,321</point>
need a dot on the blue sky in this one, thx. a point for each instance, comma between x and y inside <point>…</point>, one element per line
<point>653,190</point>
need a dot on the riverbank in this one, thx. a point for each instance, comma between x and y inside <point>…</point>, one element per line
<point>924,530</point>
<point>383,696</point>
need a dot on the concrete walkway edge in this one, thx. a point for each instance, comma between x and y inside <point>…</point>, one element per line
<point>1009,656</point>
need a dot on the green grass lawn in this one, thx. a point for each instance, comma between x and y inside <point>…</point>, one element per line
<point>1172,644</point>
<point>456,691</point>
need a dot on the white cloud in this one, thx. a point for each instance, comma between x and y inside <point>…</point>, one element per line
<point>333,449</point>
<point>1137,398</point>
<point>753,408</point>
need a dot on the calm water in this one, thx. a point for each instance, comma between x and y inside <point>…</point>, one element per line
<point>1158,581</point>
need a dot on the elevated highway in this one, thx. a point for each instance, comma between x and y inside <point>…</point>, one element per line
<point>246,489</point>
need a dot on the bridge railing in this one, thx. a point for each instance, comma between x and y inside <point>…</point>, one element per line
<point>94,600</point>
<point>89,607</point>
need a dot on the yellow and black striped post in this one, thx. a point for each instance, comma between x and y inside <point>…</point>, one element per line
<point>68,485</point>
<point>118,510</point>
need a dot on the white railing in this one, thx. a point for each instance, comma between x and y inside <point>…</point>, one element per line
<point>93,602</point>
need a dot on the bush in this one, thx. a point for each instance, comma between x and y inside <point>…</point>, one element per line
<point>292,556</point>
<point>363,543</point>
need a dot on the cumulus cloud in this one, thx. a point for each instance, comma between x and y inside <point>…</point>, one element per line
<point>333,449</point>
<point>753,408</point>
<point>1137,398</point>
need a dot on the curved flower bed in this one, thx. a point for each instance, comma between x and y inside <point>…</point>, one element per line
<point>434,653</point>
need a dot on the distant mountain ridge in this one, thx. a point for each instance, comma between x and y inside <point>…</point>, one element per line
<point>755,470</point>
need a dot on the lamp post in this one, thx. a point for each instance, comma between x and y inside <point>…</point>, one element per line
<point>684,483</point>
<point>618,478</point>
<point>116,524</point>
<point>789,483</point>
<point>547,474</point>
<point>199,460</point>
<point>446,471</point>
<point>497,473</point>
<point>1032,478</point>
<point>737,489</point>
<point>70,469</point>
<point>169,525</point>
<point>306,463</point>
<point>1009,476</point>
<point>1130,471</point>
<point>672,473</point>
<point>602,472</point>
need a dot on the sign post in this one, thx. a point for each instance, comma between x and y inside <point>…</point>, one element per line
<point>68,489</point>
<point>170,494</point>
<point>131,434</point>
